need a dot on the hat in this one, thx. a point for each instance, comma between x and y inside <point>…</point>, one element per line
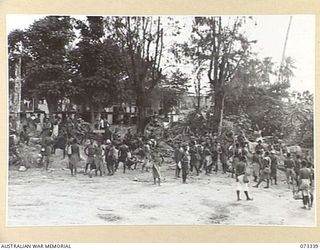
<point>108,142</point>
<point>272,152</point>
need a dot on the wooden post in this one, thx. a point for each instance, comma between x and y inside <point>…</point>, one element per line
<point>16,103</point>
<point>284,49</point>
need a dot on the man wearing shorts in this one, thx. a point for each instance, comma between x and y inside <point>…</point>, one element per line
<point>242,178</point>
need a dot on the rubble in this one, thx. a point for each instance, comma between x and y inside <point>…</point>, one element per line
<point>28,155</point>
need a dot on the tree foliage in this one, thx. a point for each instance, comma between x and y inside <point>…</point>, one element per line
<point>99,61</point>
<point>97,64</point>
<point>47,73</point>
<point>141,43</point>
<point>222,45</point>
<point>173,89</point>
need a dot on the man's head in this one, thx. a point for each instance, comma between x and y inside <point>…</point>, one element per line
<point>298,156</point>
<point>266,153</point>
<point>91,140</point>
<point>288,155</point>
<point>259,142</point>
<point>108,142</point>
<point>309,164</point>
<point>303,163</point>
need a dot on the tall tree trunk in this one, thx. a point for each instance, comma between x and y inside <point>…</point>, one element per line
<point>219,97</point>
<point>92,115</point>
<point>284,50</point>
<point>36,103</point>
<point>17,94</point>
<point>198,101</point>
<point>52,103</point>
<point>99,112</point>
<point>142,116</point>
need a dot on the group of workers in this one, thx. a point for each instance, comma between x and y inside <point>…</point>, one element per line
<point>110,152</point>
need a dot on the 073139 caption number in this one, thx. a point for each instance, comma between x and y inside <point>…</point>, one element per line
<point>313,246</point>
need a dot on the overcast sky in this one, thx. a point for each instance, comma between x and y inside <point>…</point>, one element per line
<point>270,34</point>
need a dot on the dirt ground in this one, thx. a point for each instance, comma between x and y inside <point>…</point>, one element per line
<point>37,197</point>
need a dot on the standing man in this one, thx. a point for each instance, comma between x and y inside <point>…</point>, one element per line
<point>38,123</point>
<point>98,159</point>
<point>177,158</point>
<point>256,165</point>
<point>289,166</point>
<point>185,163</point>
<point>242,178</point>
<point>194,157</point>
<point>107,132</point>
<point>224,158</point>
<point>310,167</point>
<point>237,153</point>
<point>46,150</point>
<point>305,180</point>
<point>215,156</point>
<point>259,147</point>
<point>89,151</point>
<point>207,159</point>
<point>46,128</point>
<point>157,160</point>
<point>123,156</point>
<point>110,158</point>
<point>266,170</point>
<point>74,158</point>
<point>274,167</point>
<point>146,154</point>
<point>297,166</point>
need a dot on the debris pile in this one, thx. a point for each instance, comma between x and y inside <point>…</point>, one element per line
<point>27,156</point>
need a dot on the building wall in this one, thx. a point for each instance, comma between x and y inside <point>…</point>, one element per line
<point>190,101</point>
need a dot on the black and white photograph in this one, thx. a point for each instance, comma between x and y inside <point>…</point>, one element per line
<point>160,120</point>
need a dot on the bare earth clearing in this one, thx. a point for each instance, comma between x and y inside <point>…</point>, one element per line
<point>36,197</point>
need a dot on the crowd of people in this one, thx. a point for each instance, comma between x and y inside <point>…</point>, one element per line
<point>230,154</point>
